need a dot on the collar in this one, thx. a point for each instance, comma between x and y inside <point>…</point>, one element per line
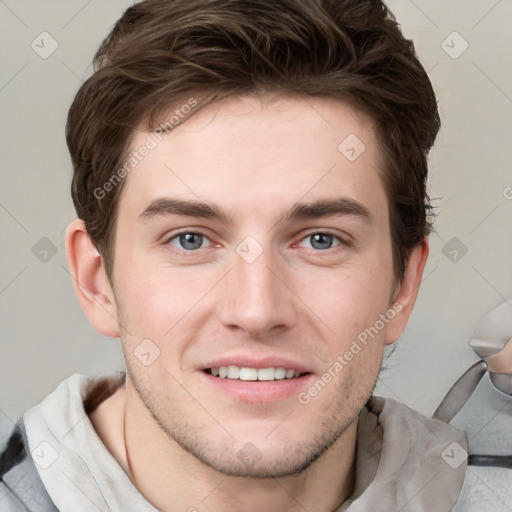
<point>406,461</point>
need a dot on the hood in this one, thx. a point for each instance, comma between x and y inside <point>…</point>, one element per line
<point>404,460</point>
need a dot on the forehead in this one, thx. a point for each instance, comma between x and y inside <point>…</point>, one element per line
<point>252,153</point>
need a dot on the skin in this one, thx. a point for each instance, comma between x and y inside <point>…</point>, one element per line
<point>502,361</point>
<point>175,436</point>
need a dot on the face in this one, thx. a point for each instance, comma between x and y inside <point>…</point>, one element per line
<point>287,264</point>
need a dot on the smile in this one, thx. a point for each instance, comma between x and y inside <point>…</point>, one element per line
<point>253,374</point>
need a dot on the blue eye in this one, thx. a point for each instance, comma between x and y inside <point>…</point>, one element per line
<point>188,241</point>
<point>322,241</point>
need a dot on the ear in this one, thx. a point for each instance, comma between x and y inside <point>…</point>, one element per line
<point>407,291</point>
<point>90,280</point>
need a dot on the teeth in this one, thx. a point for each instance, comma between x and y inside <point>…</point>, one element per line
<point>248,374</point>
<point>266,374</point>
<point>279,373</point>
<point>233,372</point>
<point>244,373</point>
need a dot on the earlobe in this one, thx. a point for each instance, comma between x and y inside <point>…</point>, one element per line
<point>90,280</point>
<point>408,289</point>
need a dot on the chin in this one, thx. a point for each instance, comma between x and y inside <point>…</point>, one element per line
<point>250,462</point>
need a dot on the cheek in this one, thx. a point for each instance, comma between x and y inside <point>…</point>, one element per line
<point>154,299</point>
<point>347,299</point>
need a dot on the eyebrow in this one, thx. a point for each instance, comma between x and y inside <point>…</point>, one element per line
<point>167,206</point>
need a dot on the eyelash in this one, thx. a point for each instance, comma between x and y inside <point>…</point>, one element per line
<point>342,242</point>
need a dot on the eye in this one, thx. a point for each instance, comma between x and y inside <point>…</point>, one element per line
<point>322,241</point>
<point>187,240</point>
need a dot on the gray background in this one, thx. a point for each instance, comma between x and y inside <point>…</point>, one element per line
<point>45,336</point>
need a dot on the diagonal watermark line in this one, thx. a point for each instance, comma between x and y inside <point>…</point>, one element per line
<point>492,419</point>
<point>13,13</point>
<point>416,413</point>
<point>14,76</point>
<point>75,15</point>
<point>432,68</point>
<point>13,217</point>
<point>7,416</point>
<point>301,300</point>
<point>291,495</point>
<point>67,225</point>
<point>424,14</point>
<point>281,422</point>
<point>492,81</point>
<point>13,279</point>
<point>81,491</point>
<point>424,278</point>
<point>72,72</point>
<point>215,488</point>
<point>305,100</point>
<point>199,403</point>
<point>171,171</point>
<point>489,489</point>
<point>485,15</point>
<point>198,301</point>
<point>423,487</point>
<point>492,286</point>
<point>485,218</point>
<point>75,425</point>
<point>94,299</point>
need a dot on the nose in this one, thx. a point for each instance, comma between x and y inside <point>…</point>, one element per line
<point>256,296</point>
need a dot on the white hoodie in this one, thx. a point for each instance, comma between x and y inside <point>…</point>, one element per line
<point>405,461</point>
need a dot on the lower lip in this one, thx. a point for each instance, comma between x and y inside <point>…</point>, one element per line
<point>259,391</point>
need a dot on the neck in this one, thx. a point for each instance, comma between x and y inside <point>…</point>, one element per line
<point>171,479</point>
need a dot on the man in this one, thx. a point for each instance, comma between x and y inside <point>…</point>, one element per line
<point>250,184</point>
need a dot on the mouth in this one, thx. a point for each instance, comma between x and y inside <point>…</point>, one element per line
<point>246,378</point>
<point>244,373</point>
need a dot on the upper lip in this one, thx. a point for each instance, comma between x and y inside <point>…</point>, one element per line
<point>252,362</point>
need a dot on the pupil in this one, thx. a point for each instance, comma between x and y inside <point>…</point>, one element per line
<point>321,238</point>
<point>187,240</point>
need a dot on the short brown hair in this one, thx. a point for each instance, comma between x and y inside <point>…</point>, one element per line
<point>161,51</point>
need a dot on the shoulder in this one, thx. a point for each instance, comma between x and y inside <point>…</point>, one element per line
<point>25,483</point>
<point>21,488</point>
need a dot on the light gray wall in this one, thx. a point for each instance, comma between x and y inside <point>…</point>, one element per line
<point>45,335</point>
